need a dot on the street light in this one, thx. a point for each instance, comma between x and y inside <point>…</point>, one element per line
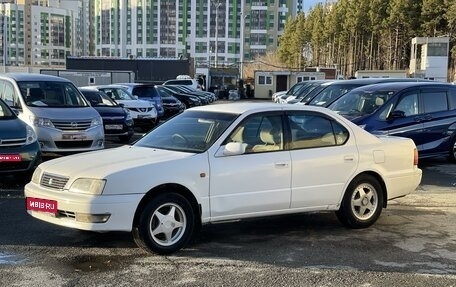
<point>243,15</point>
<point>216,5</point>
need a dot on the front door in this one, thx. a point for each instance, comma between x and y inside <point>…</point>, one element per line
<point>256,182</point>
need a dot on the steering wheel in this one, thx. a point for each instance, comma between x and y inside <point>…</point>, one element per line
<point>179,139</point>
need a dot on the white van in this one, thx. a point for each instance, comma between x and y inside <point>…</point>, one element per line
<point>62,119</point>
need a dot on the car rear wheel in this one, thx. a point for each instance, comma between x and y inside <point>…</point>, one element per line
<point>165,225</point>
<point>362,202</point>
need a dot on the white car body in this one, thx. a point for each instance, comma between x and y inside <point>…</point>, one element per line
<point>276,95</point>
<point>225,186</point>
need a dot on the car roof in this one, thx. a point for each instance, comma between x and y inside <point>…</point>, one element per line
<point>21,77</point>
<point>240,108</point>
<point>368,81</point>
<point>397,86</point>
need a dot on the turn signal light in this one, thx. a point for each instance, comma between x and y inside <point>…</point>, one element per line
<point>415,157</point>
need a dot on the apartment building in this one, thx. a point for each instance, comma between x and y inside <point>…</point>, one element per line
<point>43,32</point>
<point>212,32</point>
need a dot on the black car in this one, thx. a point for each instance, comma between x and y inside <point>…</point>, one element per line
<point>172,106</point>
<point>19,148</point>
<point>117,121</point>
<point>205,100</point>
<point>188,100</point>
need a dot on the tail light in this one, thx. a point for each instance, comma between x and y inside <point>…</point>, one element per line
<point>415,157</point>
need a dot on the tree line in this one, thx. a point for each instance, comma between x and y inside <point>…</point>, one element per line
<point>365,34</point>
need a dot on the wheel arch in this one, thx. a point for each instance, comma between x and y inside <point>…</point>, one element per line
<point>380,180</point>
<point>164,188</point>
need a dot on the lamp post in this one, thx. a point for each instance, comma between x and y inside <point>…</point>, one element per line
<point>216,5</point>
<point>243,15</point>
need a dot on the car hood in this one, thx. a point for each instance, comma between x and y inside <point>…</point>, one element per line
<point>135,103</point>
<point>65,113</point>
<point>110,111</point>
<point>101,164</point>
<point>12,129</point>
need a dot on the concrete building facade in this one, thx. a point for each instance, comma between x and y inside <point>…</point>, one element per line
<point>42,33</point>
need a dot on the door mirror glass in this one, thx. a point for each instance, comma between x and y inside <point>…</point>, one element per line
<point>396,115</point>
<point>234,148</point>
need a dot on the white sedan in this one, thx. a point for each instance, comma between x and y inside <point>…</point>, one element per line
<point>224,162</point>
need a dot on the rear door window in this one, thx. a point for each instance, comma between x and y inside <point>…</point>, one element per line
<point>434,101</point>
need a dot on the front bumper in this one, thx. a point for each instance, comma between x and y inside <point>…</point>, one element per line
<point>53,140</point>
<point>120,208</point>
<point>30,158</point>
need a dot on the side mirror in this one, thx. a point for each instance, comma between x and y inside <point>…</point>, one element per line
<point>396,115</point>
<point>136,97</point>
<point>16,111</point>
<point>234,148</point>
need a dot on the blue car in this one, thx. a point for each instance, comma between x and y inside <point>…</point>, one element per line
<point>146,92</point>
<point>19,149</point>
<point>422,111</point>
<point>117,121</point>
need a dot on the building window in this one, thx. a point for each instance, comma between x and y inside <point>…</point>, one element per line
<point>264,80</point>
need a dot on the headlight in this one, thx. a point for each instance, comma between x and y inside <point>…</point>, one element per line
<point>88,186</point>
<point>96,122</point>
<point>31,136</point>
<point>41,122</point>
<point>128,115</point>
<point>37,175</point>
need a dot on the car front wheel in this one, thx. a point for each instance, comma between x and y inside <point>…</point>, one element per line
<point>165,225</point>
<point>452,154</point>
<point>362,202</point>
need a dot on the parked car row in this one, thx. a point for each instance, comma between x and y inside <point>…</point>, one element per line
<point>422,110</point>
<point>42,114</point>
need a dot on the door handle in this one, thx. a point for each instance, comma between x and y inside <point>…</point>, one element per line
<point>349,158</point>
<point>281,164</point>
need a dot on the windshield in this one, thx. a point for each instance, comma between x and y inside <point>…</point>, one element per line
<point>51,94</point>
<point>99,99</point>
<point>117,93</point>
<point>191,131</point>
<point>361,102</point>
<point>331,93</point>
<point>5,112</point>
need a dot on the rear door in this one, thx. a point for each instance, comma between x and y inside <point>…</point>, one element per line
<point>324,157</point>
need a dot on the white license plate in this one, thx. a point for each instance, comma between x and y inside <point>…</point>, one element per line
<point>113,127</point>
<point>74,137</point>
<point>144,116</point>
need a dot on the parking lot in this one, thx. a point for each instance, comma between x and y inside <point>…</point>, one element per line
<point>412,244</point>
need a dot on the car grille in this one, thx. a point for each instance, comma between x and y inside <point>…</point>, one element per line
<point>141,110</point>
<point>53,181</point>
<point>72,125</point>
<point>12,142</point>
<point>73,144</point>
<point>67,214</point>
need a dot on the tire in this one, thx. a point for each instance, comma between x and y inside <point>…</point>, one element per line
<point>165,225</point>
<point>452,152</point>
<point>362,203</point>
